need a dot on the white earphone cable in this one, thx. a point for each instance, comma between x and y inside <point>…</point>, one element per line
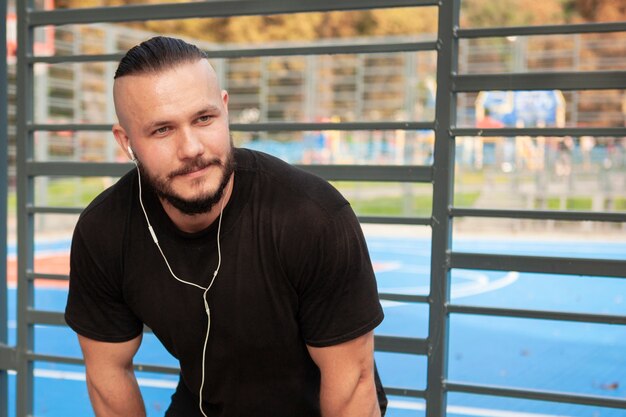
<point>206,290</point>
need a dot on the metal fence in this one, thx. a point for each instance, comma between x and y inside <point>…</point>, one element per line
<point>451,84</point>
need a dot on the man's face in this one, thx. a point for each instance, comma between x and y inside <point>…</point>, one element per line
<point>176,122</point>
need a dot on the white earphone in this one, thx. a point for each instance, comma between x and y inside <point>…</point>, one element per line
<point>132,154</point>
<point>204,289</point>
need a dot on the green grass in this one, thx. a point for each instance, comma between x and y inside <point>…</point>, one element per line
<point>66,192</point>
<point>571,203</point>
<point>405,205</point>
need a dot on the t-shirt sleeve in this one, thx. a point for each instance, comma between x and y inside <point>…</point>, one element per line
<point>95,305</point>
<point>338,297</point>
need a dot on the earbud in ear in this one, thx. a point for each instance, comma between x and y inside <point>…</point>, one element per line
<point>132,154</point>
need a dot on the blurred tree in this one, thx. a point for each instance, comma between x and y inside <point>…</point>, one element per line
<point>599,10</point>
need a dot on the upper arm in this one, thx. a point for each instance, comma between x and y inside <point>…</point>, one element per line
<point>101,357</point>
<point>346,361</point>
<point>347,385</point>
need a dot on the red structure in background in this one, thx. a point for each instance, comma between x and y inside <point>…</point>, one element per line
<point>44,37</point>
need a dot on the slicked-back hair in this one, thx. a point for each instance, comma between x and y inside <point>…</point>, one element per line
<point>157,54</point>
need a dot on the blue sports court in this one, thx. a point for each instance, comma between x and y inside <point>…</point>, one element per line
<point>543,355</point>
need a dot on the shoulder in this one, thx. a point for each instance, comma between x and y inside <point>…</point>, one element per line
<point>291,187</point>
<point>109,210</point>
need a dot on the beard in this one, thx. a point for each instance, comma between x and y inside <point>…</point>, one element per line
<point>200,204</point>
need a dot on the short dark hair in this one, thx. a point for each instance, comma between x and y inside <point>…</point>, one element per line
<point>157,54</point>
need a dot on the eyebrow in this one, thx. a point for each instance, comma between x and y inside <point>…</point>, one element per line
<point>160,123</point>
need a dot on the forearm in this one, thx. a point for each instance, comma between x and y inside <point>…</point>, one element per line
<point>116,394</point>
<point>350,401</point>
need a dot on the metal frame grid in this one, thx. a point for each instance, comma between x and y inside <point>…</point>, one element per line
<point>5,352</point>
<point>441,175</point>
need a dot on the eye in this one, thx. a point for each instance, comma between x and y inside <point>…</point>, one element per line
<point>161,131</point>
<point>203,119</point>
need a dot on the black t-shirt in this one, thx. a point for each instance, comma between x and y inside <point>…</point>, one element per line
<point>295,271</point>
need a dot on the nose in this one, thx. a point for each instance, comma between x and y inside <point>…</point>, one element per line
<point>189,144</point>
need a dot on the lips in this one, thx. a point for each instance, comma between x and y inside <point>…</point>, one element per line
<point>193,168</point>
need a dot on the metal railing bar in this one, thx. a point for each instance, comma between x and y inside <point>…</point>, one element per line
<point>545,131</point>
<point>79,361</point>
<point>302,50</point>
<point>295,127</point>
<point>31,276</point>
<point>405,392</point>
<point>257,127</point>
<point>414,221</point>
<point>51,318</point>
<point>72,127</point>
<point>408,298</point>
<point>8,360</point>
<point>386,173</point>
<point>540,214</point>
<point>398,344</point>
<point>77,169</point>
<point>570,29</point>
<point>74,59</point>
<point>54,358</point>
<point>54,210</point>
<point>552,396</point>
<point>541,264</point>
<point>537,314</point>
<point>590,80</point>
<point>213,8</point>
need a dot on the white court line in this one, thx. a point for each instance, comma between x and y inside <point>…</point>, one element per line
<point>478,283</point>
<point>470,411</point>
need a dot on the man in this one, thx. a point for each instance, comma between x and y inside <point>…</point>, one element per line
<point>252,273</point>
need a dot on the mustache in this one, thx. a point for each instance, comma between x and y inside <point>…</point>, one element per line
<point>195,165</point>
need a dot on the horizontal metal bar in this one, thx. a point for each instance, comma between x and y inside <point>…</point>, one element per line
<point>258,127</point>
<point>335,49</point>
<point>77,169</point>
<point>405,392</point>
<point>52,318</point>
<point>330,172</point>
<point>387,173</point>
<point>71,127</point>
<point>74,59</point>
<point>590,80</point>
<point>544,131</point>
<point>31,276</point>
<point>8,357</point>
<point>54,210</point>
<point>415,221</point>
<point>302,50</point>
<point>537,314</point>
<point>401,345</point>
<point>141,367</point>
<point>32,356</point>
<point>213,8</point>
<point>542,264</point>
<point>296,127</point>
<point>560,397</point>
<point>541,215</point>
<point>408,298</point>
<point>502,32</point>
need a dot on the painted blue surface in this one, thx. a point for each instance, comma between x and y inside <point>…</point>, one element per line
<point>521,353</point>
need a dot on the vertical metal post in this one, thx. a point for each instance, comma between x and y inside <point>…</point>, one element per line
<point>25,224</point>
<point>443,193</point>
<point>4,163</point>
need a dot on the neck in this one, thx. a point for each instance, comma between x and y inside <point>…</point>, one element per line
<point>191,223</point>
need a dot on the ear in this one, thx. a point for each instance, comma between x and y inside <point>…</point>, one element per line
<point>225,100</point>
<point>122,139</point>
